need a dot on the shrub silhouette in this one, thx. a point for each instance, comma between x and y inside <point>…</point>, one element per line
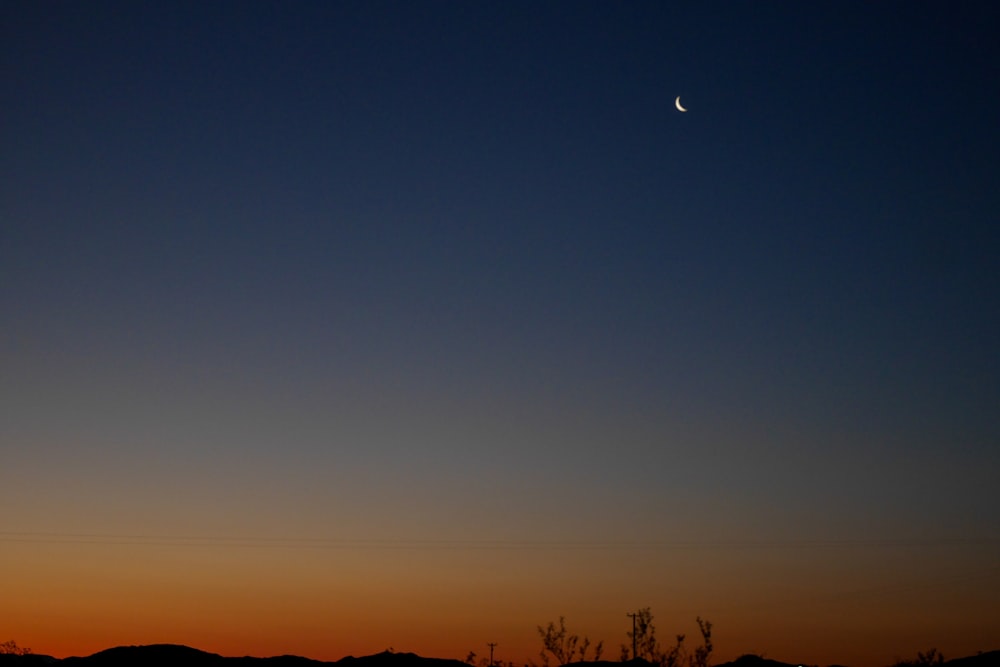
<point>931,658</point>
<point>564,647</point>
<point>648,647</point>
<point>10,647</point>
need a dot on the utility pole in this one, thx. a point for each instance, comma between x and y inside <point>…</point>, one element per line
<point>633,615</point>
<point>491,645</point>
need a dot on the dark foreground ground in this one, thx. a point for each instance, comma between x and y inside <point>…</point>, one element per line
<point>171,655</point>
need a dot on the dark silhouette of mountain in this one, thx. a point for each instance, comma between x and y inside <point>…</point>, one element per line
<point>751,660</point>
<point>25,660</point>
<point>988,659</point>
<point>635,662</point>
<point>162,654</point>
<point>391,659</point>
<point>174,655</point>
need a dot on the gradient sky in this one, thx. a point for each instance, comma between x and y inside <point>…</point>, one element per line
<point>328,327</point>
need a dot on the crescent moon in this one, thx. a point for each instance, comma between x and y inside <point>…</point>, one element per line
<point>677,103</point>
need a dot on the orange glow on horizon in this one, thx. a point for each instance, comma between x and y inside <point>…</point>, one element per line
<point>815,607</point>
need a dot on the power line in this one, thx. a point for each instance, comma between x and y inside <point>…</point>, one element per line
<point>40,537</point>
<point>866,594</point>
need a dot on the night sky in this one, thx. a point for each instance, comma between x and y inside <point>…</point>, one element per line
<point>327,327</point>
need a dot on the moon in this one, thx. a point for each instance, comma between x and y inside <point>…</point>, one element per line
<point>677,103</point>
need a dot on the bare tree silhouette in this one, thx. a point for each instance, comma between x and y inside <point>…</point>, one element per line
<point>931,658</point>
<point>702,653</point>
<point>648,647</point>
<point>10,647</point>
<point>565,647</point>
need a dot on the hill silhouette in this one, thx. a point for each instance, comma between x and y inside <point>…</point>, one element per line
<point>751,660</point>
<point>989,659</point>
<point>176,655</point>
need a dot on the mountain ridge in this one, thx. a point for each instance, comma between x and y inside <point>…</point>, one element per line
<point>179,654</point>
